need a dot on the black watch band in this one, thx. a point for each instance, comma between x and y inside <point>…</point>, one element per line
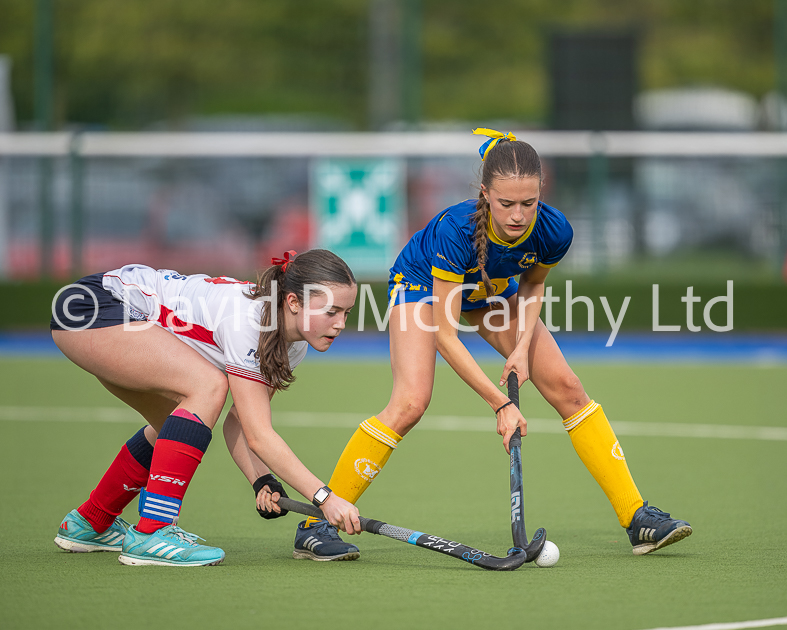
<point>321,496</point>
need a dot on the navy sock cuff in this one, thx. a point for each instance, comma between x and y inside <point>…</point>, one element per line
<point>140,448</point>
<point>186,431</point>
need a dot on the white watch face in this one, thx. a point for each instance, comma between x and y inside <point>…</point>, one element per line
<point>321,495</point>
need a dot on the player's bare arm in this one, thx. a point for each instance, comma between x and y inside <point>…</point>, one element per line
<point>250,465</point>
<point>529,301</point>
<point>446,312</point>
<point>252,401</point>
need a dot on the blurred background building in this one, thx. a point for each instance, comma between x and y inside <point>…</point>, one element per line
<point>227,119</point>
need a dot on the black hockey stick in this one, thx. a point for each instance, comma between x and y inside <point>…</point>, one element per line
<point>515,559</point>
<point>533,548</point>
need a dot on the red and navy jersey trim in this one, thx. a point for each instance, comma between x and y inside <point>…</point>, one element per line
<point>247,374</point>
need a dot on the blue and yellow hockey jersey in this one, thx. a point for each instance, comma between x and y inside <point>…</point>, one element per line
<point>444,249</point>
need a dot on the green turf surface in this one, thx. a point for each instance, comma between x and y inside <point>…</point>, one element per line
<point>451,483</point>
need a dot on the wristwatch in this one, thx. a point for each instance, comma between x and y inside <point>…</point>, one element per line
<point>321,496</point>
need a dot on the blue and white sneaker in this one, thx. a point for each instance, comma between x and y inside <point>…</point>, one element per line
<point>168,546</point>
<point>321,542</point>
<point>652,529</point>
<point>77,535</point>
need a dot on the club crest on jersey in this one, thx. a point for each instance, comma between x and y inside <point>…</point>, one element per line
<point>135,314</point>
<point>528,260</point>
<point>366,469</point>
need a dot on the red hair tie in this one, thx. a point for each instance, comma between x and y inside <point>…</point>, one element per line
<point>289,256</point>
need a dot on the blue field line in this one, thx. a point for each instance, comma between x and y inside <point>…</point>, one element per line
<point>628,347</point>
<point>28,344</point>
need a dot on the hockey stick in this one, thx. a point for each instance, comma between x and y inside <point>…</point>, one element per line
<point>515,559</point>
<point>534,547</point>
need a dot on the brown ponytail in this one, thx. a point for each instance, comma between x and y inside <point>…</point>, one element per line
<point>506,160</point>
<point>317,266</point>
<point>481,242</point>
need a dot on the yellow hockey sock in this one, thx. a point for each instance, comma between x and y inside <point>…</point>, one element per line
<point>599,449</point>
<point>363,458</point>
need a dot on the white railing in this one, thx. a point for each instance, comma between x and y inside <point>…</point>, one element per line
<point>410,144</point>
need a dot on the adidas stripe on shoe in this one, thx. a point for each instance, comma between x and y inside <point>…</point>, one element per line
<point>168,546</point>
<point>651,529</point>
<point>321,542</point>
<point>75,534</point>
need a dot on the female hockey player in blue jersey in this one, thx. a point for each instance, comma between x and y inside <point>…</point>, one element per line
<point>486,259</point>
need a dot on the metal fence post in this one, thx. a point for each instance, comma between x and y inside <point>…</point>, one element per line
<point>411,60</point>
<point>44,54</point>
<point>598,174</point>
<point>780,54</point>
<point>76,167</point>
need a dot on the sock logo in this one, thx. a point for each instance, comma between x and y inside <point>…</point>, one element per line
<point>128,489</point>
<point>167,479</point>
<point>617,452</point>
<point>366,469</point>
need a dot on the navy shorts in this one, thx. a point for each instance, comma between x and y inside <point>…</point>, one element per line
<point>87,304</point>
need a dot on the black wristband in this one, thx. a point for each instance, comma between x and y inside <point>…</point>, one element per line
<point>275,486</point>
<point>501,407</point>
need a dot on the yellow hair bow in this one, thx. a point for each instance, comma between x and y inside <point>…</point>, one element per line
<point>495,137</point>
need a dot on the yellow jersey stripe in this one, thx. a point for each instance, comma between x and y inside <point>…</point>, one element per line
<point>442,274</point>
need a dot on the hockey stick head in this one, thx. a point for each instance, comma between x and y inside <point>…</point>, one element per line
<point>533,550</point>
<point>515,558</point>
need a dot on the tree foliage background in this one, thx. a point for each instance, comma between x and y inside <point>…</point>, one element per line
<point>127,65</point>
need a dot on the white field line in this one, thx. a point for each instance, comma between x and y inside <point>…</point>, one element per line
<point>309,419</point>
<point>734,625</point>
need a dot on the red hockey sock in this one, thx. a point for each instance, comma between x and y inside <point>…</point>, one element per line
<point>179,450</point>
<point>124,478</point>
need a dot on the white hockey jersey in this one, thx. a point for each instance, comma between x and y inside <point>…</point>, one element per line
<point>212,315</point>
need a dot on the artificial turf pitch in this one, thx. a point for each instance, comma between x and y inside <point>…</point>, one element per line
<point>452,483</point>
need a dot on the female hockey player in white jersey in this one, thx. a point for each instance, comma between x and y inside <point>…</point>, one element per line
<point>171,346</point>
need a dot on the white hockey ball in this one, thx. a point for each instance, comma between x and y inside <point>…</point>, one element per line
<point>549,555</point>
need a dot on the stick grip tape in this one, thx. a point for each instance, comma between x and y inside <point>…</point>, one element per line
<point>513,394</point>
<point>513,388</point>
<point>367,524</point>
